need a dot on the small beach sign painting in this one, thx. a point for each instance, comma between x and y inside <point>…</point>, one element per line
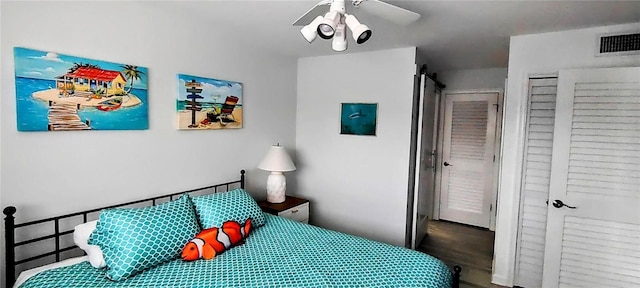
<point>61,92</point>
<point>208,104</point>
<point>359,119</point>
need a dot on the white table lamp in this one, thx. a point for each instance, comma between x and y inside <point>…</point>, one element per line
<point>276,161</point>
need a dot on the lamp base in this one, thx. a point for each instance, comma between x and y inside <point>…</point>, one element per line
<point>276,187</point>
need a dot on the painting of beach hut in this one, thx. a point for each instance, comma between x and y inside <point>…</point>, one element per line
<point>358,119</point>
<point>206,103</point>
<point>61,92</point>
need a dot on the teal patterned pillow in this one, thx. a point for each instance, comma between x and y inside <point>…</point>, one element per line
<point>236,205</point>
<point>135,239</point>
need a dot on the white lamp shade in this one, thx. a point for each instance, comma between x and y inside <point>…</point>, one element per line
<point>277,160</point>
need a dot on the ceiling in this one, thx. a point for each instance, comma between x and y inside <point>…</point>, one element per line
<point>450,34</point>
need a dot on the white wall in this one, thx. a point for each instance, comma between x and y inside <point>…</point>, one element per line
<point>490,78</point>
<point>356,184</point>
<point>49,173</point>
<point>534,55</point>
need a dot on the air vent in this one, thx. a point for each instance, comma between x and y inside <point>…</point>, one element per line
<point>619,44</point>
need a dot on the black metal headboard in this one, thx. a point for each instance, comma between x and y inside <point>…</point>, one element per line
<point>10,227</point>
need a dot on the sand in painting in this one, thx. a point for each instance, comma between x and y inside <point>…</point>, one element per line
<point>54,95</point>
<point>184,120</point>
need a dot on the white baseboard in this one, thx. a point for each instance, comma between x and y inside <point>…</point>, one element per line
<point>501,280</point>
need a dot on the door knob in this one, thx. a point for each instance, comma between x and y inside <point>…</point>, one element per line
<point>447,164</point>
<point>559,204</point>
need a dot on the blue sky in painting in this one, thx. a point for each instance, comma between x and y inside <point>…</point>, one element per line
<point>48,65</point>
<point>213,90</point>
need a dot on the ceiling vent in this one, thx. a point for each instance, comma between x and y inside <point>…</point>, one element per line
<point>621,44</point>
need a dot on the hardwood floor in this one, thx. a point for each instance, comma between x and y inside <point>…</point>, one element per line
<point>467,246</point>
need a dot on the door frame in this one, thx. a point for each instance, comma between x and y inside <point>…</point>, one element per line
<point>413,155</point>
<point>420,81</point>
<point>496,150</point>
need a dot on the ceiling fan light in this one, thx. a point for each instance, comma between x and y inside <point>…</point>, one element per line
<point>339,42</point>
<point>310,31</point>
<point>360,32</point>
<point>327,27</point>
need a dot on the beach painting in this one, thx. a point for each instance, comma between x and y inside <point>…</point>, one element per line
<point>62,92</point>
<point>207,103</point>
<point>359,119</point>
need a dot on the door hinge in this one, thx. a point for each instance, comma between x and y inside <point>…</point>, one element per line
<point>490,207</point>
<point>494,158</point>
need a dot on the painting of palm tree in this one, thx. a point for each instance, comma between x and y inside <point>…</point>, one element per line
<point>78,65</point>
<point>132,73</point>
<point>75,67</point>
<point>64,92</point>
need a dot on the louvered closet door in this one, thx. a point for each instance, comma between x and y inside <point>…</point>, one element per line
<point>596,168</point>
<point>535,182</point>
<point>467,171</point>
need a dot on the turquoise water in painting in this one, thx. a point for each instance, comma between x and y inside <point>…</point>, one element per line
<point>32,113</point>
<point>182,105</point>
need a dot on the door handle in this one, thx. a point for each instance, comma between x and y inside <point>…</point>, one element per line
<point>559,204</point>
<point>447,164</point>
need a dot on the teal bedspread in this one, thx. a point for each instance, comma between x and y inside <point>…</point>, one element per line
<point>282,253</point>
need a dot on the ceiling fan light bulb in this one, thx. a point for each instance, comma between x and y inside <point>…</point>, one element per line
<point>325,31</point>
<point>327,27</point>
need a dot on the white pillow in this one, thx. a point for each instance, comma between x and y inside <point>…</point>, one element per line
<point>81,235</point>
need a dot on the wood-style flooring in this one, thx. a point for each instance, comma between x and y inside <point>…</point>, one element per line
<point>469,247</point>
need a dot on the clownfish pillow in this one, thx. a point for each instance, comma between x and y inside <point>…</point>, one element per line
<point>213,241</point>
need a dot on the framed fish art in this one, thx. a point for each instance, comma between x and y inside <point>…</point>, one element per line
<point>62,92</point>
<point>359,119</point>
<point>208,104</point>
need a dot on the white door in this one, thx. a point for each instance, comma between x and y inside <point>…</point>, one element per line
<point>536,171</point>
<point>593,234</point>
<point>423,202</point>
<point>467,158</point>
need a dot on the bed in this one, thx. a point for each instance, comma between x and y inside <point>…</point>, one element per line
<point>281,253</point>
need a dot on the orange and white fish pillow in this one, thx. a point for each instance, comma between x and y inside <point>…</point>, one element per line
<point>213,241</point>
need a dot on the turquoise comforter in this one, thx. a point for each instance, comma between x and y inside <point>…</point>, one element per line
<point>282,253</point>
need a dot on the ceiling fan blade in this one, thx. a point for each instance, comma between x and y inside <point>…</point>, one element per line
<point>389,12</point>
<point>320,9</point>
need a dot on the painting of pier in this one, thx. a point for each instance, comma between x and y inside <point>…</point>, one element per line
<point>65,117</point>
<point>57,92</point>
<point>208,104</point>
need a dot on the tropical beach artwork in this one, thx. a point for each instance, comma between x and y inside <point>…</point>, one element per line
<point>61,92</point>
<point>358,119</point>
<point>206,103</point>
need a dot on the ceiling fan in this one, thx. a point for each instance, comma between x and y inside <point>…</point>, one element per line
<point>329,19</point>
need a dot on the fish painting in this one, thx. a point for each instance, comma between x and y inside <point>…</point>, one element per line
<point>359,119</point>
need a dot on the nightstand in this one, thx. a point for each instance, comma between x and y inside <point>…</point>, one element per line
<point>293,208</point>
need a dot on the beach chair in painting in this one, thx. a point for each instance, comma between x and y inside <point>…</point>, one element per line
<point>225,114</point>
